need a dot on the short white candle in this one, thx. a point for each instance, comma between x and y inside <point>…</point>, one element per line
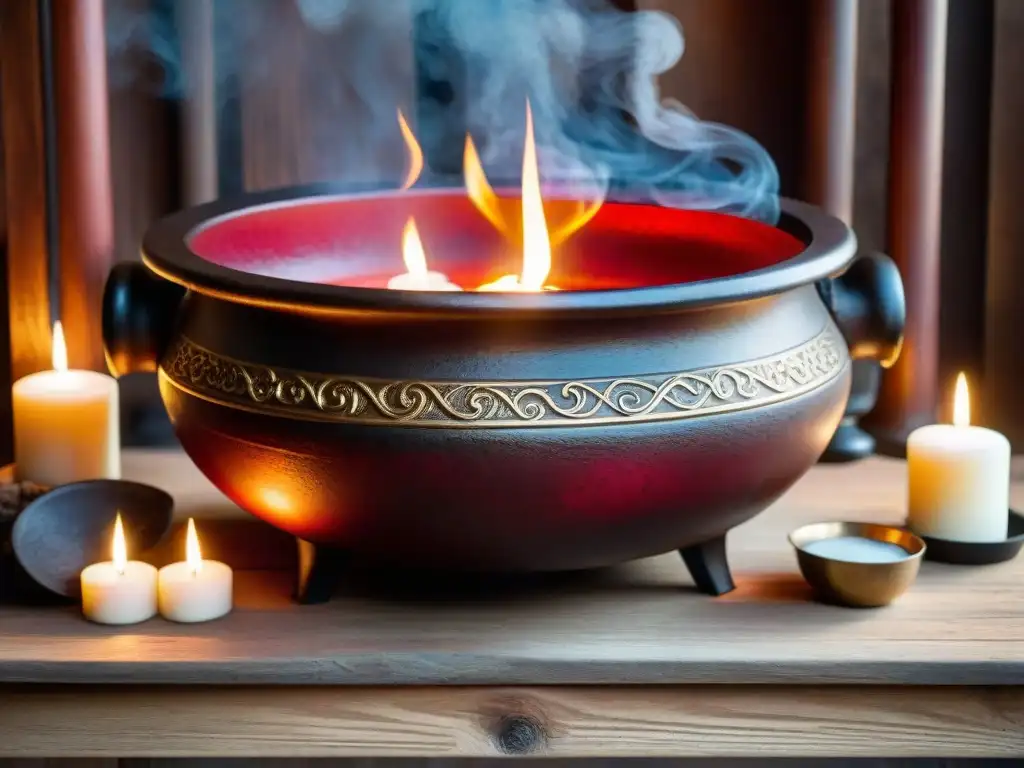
<point>857,549</point>
<point>121,591</point>
<point>417,277</point>
<point>959,478</point>
<point>66,423</point>
<point>195,590</point>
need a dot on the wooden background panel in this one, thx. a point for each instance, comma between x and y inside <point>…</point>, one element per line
<point>145,182</point>
<point>874,81</point>
<point>746,65</point>
<point>25,347</point>
<point>1004,363</point>
<point>6,432</point>
<point>743,66</point>
<point>25,181</point>
<point>964,198</point>
<point>326,108</point>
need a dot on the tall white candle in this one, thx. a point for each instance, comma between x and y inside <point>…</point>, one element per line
<point>959,478</point>
<point>197,589</point>
<point>417,277</point>
<point>120,591</point>
<point>66,423</point>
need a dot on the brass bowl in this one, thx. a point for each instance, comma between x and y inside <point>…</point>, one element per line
<point>857,584</point>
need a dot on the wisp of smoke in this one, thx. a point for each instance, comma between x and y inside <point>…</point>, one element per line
<point>589,70</point>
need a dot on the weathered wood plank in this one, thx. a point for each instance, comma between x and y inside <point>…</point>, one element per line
<point>701,721</point>
<point>639,623</point>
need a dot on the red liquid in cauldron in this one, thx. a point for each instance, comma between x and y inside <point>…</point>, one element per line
<point>356,241</point>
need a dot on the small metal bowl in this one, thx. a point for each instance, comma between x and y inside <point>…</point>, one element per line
<point>857,584</point>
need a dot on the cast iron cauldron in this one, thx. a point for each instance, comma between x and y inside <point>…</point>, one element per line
<point>691,368</point>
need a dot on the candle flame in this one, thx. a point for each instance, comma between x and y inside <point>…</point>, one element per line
<point>413,255</point>
<point>193,555</point>
<point>479,189</point>
<point>415,153</point>
<point>536,241</point>
<point>119,552</point>
<point>60,348</point>
<point>562,217</point>
<point>961,402</point>
<point>536,244</point>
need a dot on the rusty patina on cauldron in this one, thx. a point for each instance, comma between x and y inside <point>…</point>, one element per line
<point>691,368</point>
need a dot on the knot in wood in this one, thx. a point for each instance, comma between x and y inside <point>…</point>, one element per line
<point>519,735</point>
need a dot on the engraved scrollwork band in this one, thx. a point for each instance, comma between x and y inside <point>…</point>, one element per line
<point>360,400</point>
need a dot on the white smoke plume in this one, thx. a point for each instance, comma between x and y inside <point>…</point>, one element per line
<point>589,70</point>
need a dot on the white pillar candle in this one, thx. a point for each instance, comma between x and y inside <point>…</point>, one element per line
<point>417,277</point>
<point>959,478</point>
<point>121,591</point>
<point>66,423</point>
<point>195,590</point>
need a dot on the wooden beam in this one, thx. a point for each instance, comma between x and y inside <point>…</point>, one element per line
<point>589,721</point>
<point>199,127</point>
<point>86,233</point>
<point>910,391</point>
<point>24,148</point>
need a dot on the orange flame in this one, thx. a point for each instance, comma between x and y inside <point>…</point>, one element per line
<point>564,217</point>
<point>535,238</point>
<point>530,222</point>
<point>413,255</point>
<point>415,168</point>
<point>961,403</point>
<point>59,355</point>
<point>193,554</point>
<point>119,549</point>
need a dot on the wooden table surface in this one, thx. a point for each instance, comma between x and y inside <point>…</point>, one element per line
<point>610,663</point>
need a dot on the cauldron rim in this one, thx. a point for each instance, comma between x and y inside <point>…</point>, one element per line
<point>830,248</point>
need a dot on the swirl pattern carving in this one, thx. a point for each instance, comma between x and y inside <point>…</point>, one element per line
<point>331,397</point>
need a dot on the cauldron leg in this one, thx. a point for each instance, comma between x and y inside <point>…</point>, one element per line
<point>319,572</point>
<point>709,567</point>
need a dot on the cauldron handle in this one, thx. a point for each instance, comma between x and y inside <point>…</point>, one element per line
<point>868,305</point>
<point>139,313</point>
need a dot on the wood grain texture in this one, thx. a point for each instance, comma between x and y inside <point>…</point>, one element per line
<point>6,415</point>
<point>86,233</point>
<point>1004,365</point>
<point>703,721</point>
<point>639,623</point>
<point>745,65</point>
<point>25,182</point>
<point>325,109</point>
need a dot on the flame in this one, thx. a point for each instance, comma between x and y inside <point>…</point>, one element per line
<point>961,403</point>
<point>60,348</point>
<point>415,153</point>
<point>536,241</point>
<point>495,210</point>
<point>563,217</point>
<point>119,553</point>
<point>193,555</point>
<point>413,255</point>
